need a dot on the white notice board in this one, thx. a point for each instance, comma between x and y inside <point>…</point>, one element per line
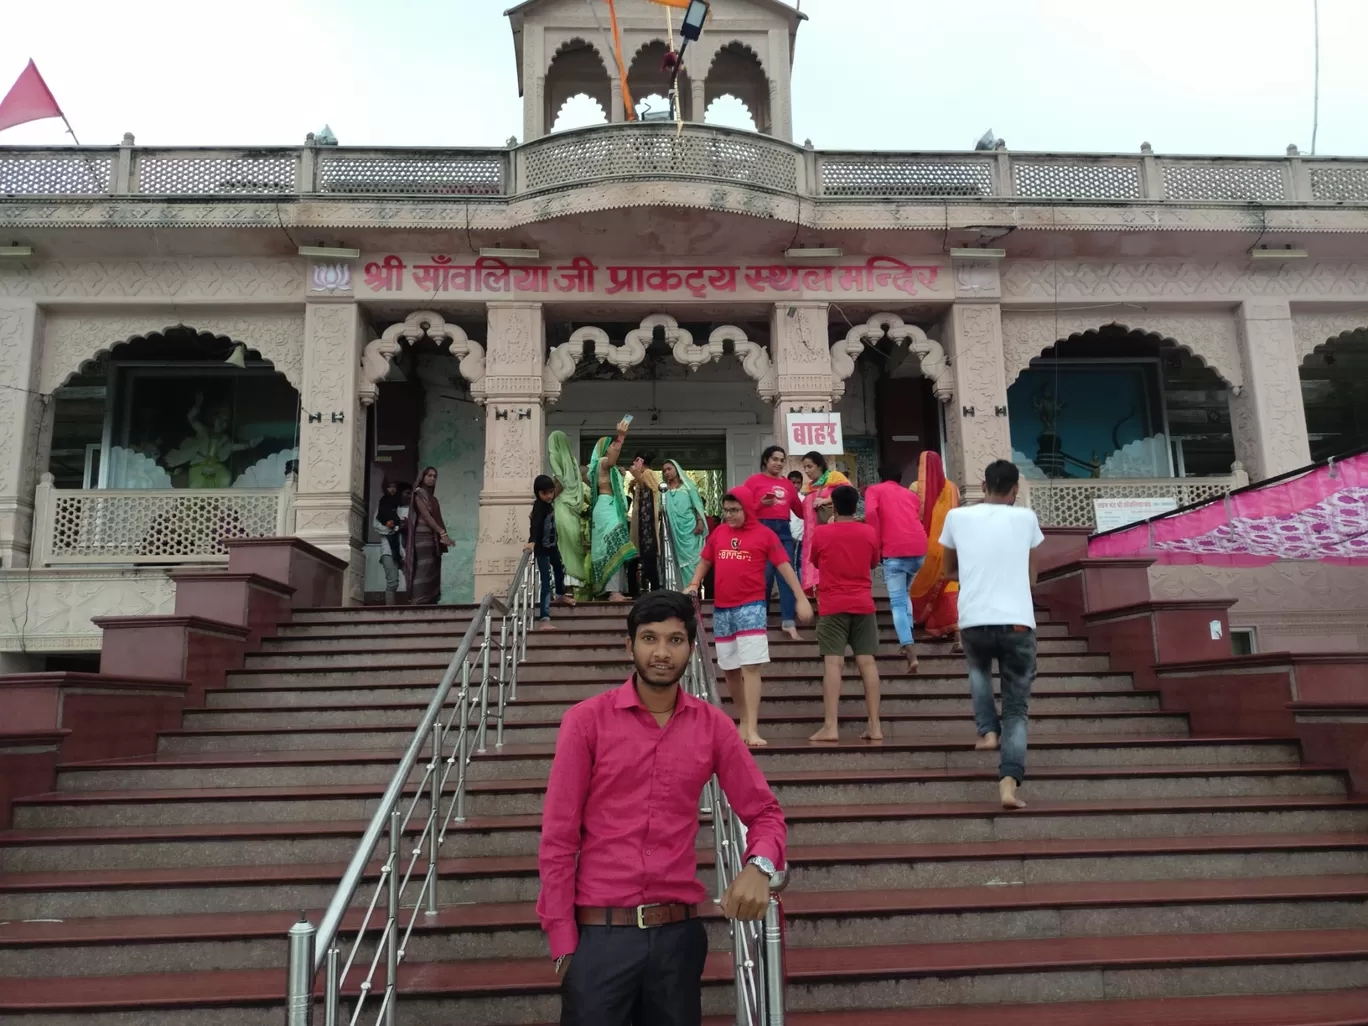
<point>1113,513</point>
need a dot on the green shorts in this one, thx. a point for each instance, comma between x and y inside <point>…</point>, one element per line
<point>858,630</point>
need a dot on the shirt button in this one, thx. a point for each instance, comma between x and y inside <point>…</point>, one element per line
<point>648,851</point>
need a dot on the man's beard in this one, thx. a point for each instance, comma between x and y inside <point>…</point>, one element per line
<point>643,676</point>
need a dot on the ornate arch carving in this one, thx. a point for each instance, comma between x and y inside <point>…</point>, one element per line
<point>573,44</point>
<point>378,355</point>
<point>71,340</point>
<point>930,353</point>
<point>1314,331</point>
<point>733,46</point>
<point>1211,337</point>
<point>564,358</point>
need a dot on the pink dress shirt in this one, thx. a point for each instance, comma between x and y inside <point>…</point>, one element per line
<point>894,512</point>
<point>621,816</point>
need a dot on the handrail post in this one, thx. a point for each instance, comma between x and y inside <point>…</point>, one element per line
<point>434,814</point>
<point>504,657</point>
<point>462,742</point>
<point>299,1000</point>
<point>392,940</point>
<point>484,684</point>
<point>774,965</point>
<point>333,979</point>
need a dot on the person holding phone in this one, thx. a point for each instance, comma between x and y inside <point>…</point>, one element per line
<point>778,502</point>
<point>611,535</point>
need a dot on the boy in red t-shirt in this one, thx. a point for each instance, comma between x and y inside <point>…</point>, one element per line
<point>739,550</point>
<point>845,551</point>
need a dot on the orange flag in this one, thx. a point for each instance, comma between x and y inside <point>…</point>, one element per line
<point>29,99</point>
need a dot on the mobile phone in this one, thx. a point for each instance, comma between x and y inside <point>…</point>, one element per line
<point>628,418</point>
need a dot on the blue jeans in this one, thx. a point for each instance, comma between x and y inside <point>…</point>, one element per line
<point>547,562</point>
<point>788,605</point>
<point>1014,649</point>
<point>898,574</point>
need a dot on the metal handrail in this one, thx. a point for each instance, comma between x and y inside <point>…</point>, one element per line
<point>451,745</point>
<point>757,947</point>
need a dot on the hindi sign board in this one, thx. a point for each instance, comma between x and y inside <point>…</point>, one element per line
<point>1109,514</point>
<point>814,432</point>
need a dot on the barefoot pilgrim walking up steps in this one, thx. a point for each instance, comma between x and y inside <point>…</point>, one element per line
<point>991,548</point>
<point>740,548</point>
<point>893,513</point>
<point>845,552</point>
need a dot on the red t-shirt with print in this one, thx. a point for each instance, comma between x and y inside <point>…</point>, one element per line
<point>739,559</point>
<point>845,552</point>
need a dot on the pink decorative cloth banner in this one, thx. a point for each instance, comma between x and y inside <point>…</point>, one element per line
<point>1322,515</point>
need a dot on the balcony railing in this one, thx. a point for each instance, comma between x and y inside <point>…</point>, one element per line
<point>74,526</point>
<point>660,151</point>
<point>1068,502</point>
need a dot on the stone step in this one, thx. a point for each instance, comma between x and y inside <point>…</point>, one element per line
<point>1033,971</point>
<point>223,716</point>
<point>335,801</point>
<point>815,919</point>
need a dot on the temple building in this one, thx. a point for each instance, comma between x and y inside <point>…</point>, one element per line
<point>200,344</point>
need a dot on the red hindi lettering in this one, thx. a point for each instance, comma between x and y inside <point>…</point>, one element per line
<point>576,276</point>
<point>625,279</point>
<point>386,276</point>
<point>433,277</point>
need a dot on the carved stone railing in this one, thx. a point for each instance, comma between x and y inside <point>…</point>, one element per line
<point>1068,502</point>
<point>146,526</point>
<point>661,151</point>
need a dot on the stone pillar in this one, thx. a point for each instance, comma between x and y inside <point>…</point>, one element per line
<point>698,88</point>
<point>515,439</point>
<point>976,421</point>
<point>329,508</point>
<point>25,422</point>
<point>800,347</point>
<point>617,109</point>
<point>780,85</point>
<point>1267,418</point>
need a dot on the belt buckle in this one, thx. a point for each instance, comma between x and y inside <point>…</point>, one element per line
<point>640,909</point>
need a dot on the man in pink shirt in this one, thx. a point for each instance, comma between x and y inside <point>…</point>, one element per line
<point>619,886</point>
<point>894,514</point>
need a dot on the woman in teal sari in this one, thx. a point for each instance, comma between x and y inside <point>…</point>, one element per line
<point>688,519</point>
<point>569,506</point>
<point>611,537</point>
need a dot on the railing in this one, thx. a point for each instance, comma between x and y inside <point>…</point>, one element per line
<point>757,947</point>
<point>1068,502</point>
<point>408,878</point>
<point>661,151</point>
<point>181,525</point>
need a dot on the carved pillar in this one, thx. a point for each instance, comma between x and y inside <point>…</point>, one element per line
<point>801,351</point>
<point>1267,418</point>
<point>977,423</point>
<point>25,421</point>
<point>617,111</point>
<point>698,88</point>
<point>515,439</point>
<point>780,85</point>
<point>329,511</point>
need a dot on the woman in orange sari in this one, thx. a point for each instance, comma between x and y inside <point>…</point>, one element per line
<point>935,601</point>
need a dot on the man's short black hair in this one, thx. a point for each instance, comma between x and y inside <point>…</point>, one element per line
<point>543,483</point>
<point>659,606</point>
<point>1001,477</point>
<point>846,500</point>
<point>796,473</point>
<point>890,472</point>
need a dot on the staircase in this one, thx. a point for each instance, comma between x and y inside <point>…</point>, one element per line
<point>1155,878</point>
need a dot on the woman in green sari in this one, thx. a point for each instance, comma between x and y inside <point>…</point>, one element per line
<point>611,536</point>
<point>569,506</point>
<point>688,519</point>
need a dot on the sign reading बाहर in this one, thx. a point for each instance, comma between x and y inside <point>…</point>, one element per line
<point>1109,514</point>
<point>814,432</point>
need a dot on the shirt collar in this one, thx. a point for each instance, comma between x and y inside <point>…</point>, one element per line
<point>627,697</point>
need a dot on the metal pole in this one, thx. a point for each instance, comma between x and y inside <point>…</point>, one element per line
<point>774,966</point>
<point>334,985</point>
<point>484,684</point>
<point>434,833</point>
<point>392,940</point>
<point>300,996</point>
<point>462,741</point>
<point>504,662</point>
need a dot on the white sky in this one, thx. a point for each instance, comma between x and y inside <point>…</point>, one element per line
<point>1189,76</point>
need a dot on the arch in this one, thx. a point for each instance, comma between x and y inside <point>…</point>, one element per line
<point>577,45</point>
<point>930,353</point>
<point>574,112</point>
<point>564,358</point>
<point>72,341</point>
<point>379,354</point>
<point>755,360</point>
<point>1211,338</point>
<point>1315,332</point>
<point>1332,379</point>
<point>646,78</point>
<point>737,70</point>
<point>723,113</point>
<point>577,67</point>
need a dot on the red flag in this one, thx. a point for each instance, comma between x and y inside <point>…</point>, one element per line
<point>29,99</point>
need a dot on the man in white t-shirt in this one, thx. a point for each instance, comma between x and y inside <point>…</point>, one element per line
<point>991,549</point>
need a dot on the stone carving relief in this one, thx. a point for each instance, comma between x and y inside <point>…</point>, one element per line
<point>51,610</point>
<point>262,280</point>
<point>755,360</point>
<point>331,278</point>
<point>564,358</point>
<point>1046,280</point>
<point>978,367</point>
<point>377,356</point>
<point>934,366</point>
<point>71,340</point>
<point>1270,413</point>
<point>326,460</point>
<point>515,341</point>
<point>1212,337</point>
<point>1313,330</point>
<point>977,279</point>
<point>21,413</point>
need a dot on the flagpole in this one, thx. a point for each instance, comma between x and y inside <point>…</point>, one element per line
<point>94,175</point>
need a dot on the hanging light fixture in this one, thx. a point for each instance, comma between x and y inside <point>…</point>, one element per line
<point>238,357</point>
<point>694,18</point>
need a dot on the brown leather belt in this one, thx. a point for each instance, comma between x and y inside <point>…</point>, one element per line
<point>643,917</point>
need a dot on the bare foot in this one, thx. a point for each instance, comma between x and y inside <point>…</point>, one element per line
<point>754,741</point>
<point>793,634</point>
<point>827,735</point>
<point>987,743</point>
<point>911,654</point>
<point>563,600</point>
<point>547,626</point>
<point>1007,792</point>
<point>874,732</point>
<point>617,596</point>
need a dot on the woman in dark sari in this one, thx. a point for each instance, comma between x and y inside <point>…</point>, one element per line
<point>427,540</point>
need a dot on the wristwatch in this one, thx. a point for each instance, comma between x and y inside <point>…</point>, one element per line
<point>761,863</point>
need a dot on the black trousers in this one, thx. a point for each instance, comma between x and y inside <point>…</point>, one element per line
<point>643,574</point>
<point>622,976</point>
